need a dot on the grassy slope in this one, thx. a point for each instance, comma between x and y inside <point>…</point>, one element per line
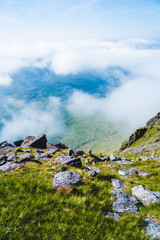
<point>31,209</point>
<point>94,133</point>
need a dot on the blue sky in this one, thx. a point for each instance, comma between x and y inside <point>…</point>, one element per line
<point>79,19</point>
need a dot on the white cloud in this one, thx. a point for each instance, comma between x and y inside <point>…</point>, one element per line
<point>134,101</point>
<point>33,119</point>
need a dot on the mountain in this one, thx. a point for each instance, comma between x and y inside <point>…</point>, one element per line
<point>145,139</point>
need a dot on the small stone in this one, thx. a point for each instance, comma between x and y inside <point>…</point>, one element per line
<point>64,179</point>
<point>128,172</point>
<point>144,158</point>
<point>124,162</point>
<point>111,165</point>
<point>143,174</point>
<point>95,169</point>
<point>112,215</point>
<point>113,157</point>
<point>105,158</point>
<point>89,152</point>
<point>70,152</point>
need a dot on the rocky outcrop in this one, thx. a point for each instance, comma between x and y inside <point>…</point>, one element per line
<point>35,142</point>
<point>133,138</point>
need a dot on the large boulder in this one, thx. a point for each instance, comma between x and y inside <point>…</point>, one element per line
<point>69,160</point>
<point>125,203</point>
<point>145,196</point>
<point>64,179</point>
<point>35,142</point>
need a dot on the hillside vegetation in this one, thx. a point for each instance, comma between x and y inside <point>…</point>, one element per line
<point>34,207</point>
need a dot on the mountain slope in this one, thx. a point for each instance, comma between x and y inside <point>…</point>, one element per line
<point>144,140</point>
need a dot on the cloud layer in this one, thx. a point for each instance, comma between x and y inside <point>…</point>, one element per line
<point>33,119</point>
<point>134,102</point>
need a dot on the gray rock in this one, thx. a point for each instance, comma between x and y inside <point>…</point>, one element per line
<point>70,152</point>
<point>105,158</point>
<point>125,203</point>
<point>144,158</point>
<point>113,215</point>
<point>24,158</point>
<point>117,184</point>
<point>111,165</point>
<point>113,157</point>
<point>89,152</point>
<point>79,152</point>
<point>52,151</point>
<point>145,196</point>
<point>124,162</point>
<point>17,143</point>
<point>143,174</point>
<point>35,142</point>
<point>95,169</point>
<point>56,145</point>
<point>70,161</point>
<point>125,159</point>
<point>43,156</point>
<point>64,179</point>
<point>3,160</point>
<point>10,156</point>
<point>128,172</point>
<point>152,228</point>
<point>8,167</point>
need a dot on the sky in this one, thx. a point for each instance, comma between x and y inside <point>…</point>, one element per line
<point>33,20</point>
<point>74,36</point>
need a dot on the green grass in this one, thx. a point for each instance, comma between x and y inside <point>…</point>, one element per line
<point>32,209</point>
<point>97,134</point>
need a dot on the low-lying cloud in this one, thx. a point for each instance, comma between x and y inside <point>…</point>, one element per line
<point>134,101</point>
<point>33,119</point>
